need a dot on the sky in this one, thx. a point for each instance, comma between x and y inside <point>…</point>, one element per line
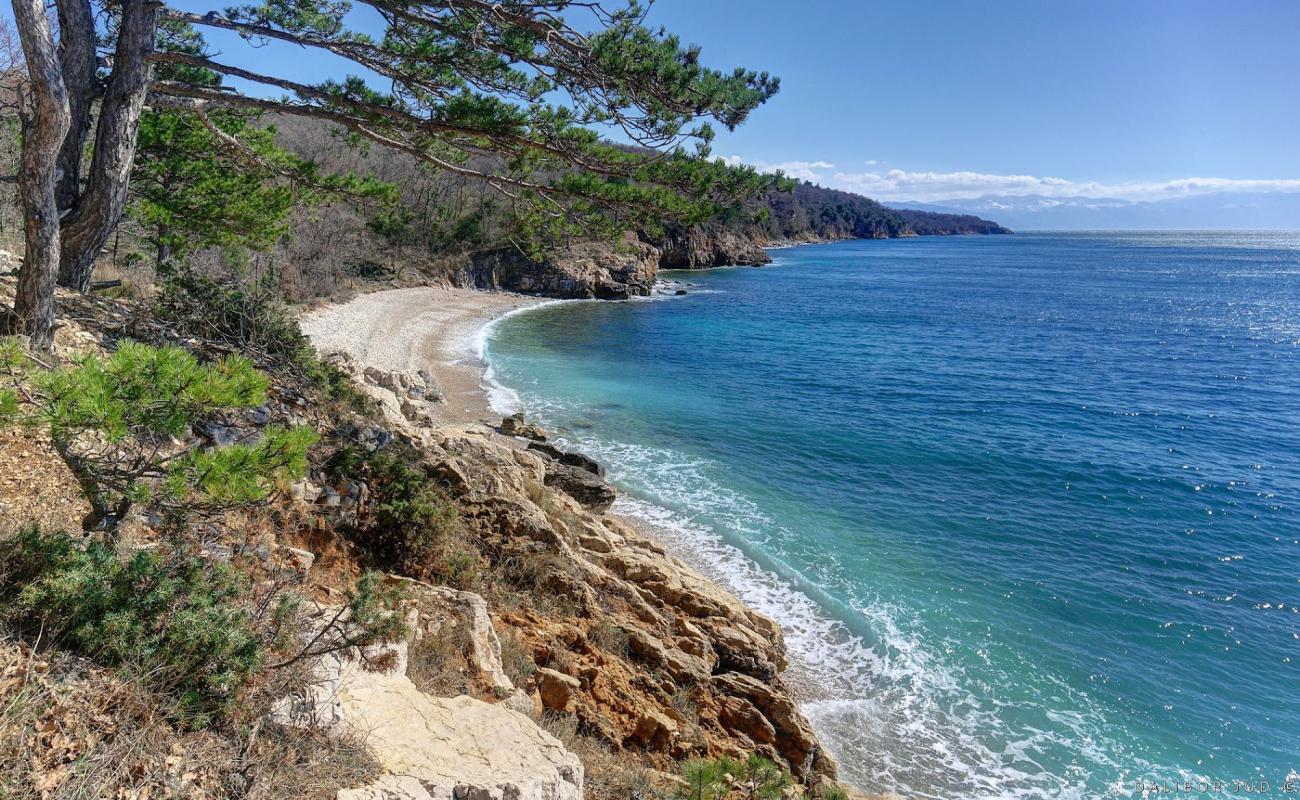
<point>926,100</point>
<point>923,99</point>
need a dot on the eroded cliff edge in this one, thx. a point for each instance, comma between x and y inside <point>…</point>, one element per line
<point>639,650</point>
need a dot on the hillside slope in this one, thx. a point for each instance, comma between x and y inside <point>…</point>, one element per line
<point>447,219</point>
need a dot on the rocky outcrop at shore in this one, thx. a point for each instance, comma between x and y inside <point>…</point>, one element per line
<point>609,271</point>
<point>653,656</point>
<point>699,247</point>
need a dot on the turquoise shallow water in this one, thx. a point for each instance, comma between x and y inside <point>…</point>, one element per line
<point>1028,506</point>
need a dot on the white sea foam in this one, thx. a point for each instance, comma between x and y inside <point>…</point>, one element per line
<point>501,398</point>
<point>896,714</point>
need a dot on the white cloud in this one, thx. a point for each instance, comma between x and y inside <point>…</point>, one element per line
<point>803,170</point>
<point>898,185</point>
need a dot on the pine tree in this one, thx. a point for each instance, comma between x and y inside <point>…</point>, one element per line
<point>508,92</point>
<point>122,425</point>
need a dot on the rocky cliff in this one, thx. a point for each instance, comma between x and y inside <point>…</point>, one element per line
<point>609,271</point>
<point>701,247</point>
<point>629,266</point>
<point>644,654</point>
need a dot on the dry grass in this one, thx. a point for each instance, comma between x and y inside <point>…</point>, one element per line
<point>516,658</point>
<point>608,775</point>
<point>36,485</point>
<point>609,637</point>
<point>439,663</point>
<point>72,731</point>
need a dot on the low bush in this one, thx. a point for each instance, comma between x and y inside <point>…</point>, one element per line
<point>755,778</point>
<point>188,629</point>
<point>175,622</point>
<point>409,526</point>
<point>243,314</point>
<point>70,731</point>
<point>758,778</point>
<point>247,315</point>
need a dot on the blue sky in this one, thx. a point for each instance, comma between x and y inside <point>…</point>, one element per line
<point>1127,95</point>
<point>934,99</point>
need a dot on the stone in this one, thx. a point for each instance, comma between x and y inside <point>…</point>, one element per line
<point>557,690</point>
<point>654,730</point>
<point>516,425</point>
<point>389,787</point>
<point>680,292</point>
<point>442,605</point>
<point>301,559</point>
<point>681,667</point>
<point>522,702</point>
<point>564,457</point>
<point>450,748</point>
<point>738,715</point>
<point>739,649</point>
<point>794,737</point>
<point>458,748</point>
<point>304,491</point>
<point>220,435</point>
<point>587,488</point>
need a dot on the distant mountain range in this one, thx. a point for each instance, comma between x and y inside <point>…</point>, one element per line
<point>1215,211</point>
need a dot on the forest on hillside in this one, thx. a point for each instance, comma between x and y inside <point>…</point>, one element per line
<point>436,219</point>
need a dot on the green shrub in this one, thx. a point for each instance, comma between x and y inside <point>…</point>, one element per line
<point>176,622</point>
<point>830,791</point>
<point>705,779</point>
<point>757,778</point>
<point>119,423</point>
<point>187,628</point>
<point>409,526</point>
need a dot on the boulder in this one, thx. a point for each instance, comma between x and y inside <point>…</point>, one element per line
<point>459,748</point>
<point>654,730</point>
<point>431,748</point>
<point>388,787</point>
<point>794,738</point>
<point>681,667</point>
<point>738,715</point>
<point>586,487</point>
<point>558,691</point>
<point>516,425</point>
<point>564,457</point>
<point>442,607</point>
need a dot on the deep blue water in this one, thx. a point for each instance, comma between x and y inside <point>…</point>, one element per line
<point>1028,506</point>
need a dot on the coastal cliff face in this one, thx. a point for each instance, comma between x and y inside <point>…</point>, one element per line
<point>700,247</point>
<point>643,653</point>
<point>647,654</point>
<point>609,271</point>
<point>629,266</point>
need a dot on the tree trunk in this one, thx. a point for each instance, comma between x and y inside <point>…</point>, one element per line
<point>87,228</point>
<point>45,124</point>
<point>77,59</point>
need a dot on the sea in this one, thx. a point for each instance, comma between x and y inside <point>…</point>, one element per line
<point>1027,506</point>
